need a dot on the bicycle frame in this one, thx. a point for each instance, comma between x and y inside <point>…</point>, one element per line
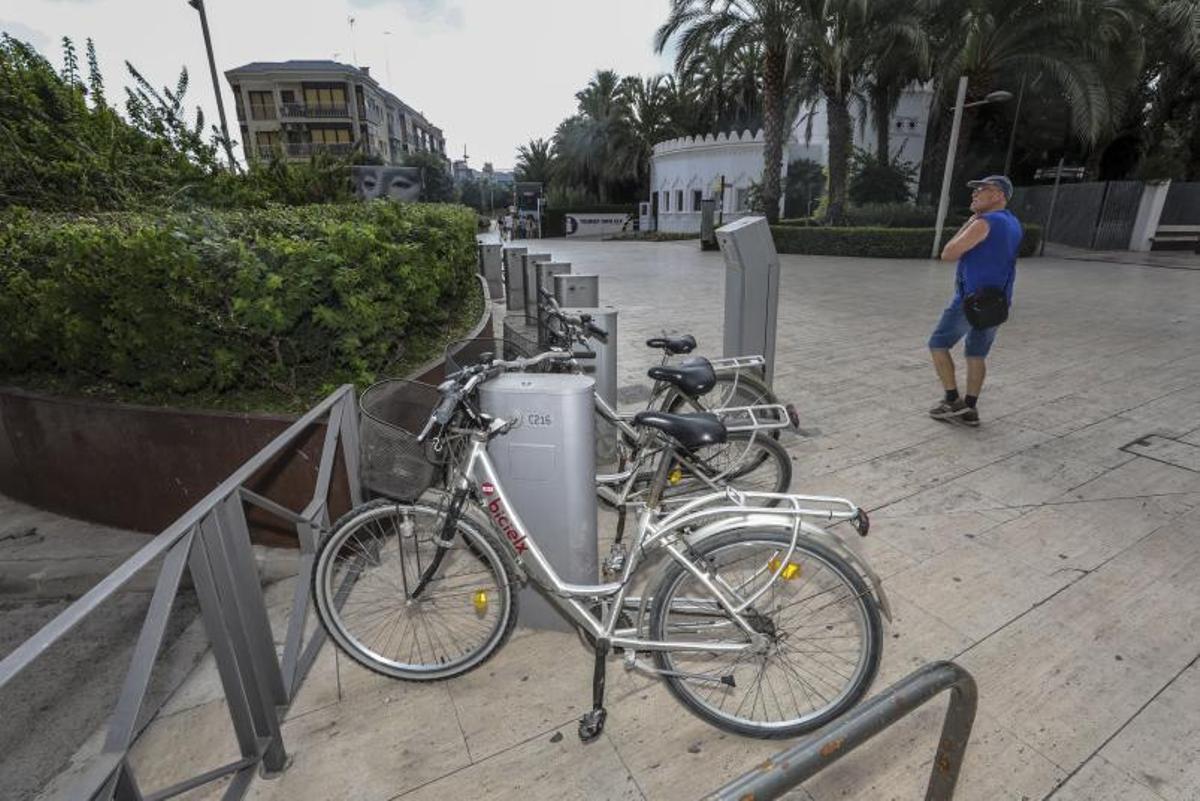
<point>478,473</point>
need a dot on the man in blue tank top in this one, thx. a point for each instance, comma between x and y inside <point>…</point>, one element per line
<point>986,251</point>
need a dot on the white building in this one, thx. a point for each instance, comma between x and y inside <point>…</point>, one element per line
<point>686,170</point>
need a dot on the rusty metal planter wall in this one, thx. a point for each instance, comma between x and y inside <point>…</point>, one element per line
<point>140,467</point>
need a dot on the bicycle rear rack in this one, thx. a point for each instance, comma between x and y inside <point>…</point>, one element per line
<point>764,417</point>
<point>730,363</point>
<point>785,770</point>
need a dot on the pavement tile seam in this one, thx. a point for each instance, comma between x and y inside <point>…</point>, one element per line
<point>1095,754</point>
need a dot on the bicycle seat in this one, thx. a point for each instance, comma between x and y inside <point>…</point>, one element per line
<point>692,431</point>
<point>694,377</point>
<point>673,345</point>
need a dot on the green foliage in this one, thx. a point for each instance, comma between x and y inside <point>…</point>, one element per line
<point>875,181</point>
<point>805,184</point>
<point>269,308</point>
<point>437,186</point>
<point>882,243</point>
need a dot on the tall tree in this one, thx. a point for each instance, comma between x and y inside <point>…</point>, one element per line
<point>730,25</point>
<point>534,162</point>
<point>836,44</point>
<point>995,42</point>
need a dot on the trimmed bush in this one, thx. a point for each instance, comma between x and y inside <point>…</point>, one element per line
<point>262,309</point>
<point>882,243</point>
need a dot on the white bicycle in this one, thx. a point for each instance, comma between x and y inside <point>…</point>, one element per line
<point>760,622</point>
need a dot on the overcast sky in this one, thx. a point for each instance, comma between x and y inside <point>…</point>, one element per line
<point>492,74</point>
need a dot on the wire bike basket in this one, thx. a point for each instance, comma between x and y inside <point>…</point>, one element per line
<point>393,463</point>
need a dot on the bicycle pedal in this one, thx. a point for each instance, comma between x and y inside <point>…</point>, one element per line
<point>591,725</point>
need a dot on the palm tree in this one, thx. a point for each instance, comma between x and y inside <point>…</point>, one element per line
<point>534,162</point>
<point>594,149</point>
<point>894,64</point>
<point>1172,87</point>
<point>1065,41</point>
<point>731,25</point>
<point>838,43</point>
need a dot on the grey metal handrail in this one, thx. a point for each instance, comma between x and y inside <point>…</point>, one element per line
<point>785,770</point>
<point>212,541</point>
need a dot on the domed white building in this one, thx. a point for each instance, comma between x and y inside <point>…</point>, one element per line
<point>687,170</point>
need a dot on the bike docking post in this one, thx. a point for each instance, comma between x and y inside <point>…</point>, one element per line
<point>546,272</point>
<point>513,261</point>
<point>489,255</point>
<point>603,368</point>
<point>751,290</point>
<point>529,285</point>
<point>547,465</point>
<point>576,291</point>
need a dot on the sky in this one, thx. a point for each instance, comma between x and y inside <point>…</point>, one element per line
<point>492,74</point>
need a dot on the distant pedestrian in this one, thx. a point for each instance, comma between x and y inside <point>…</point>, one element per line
<point>986,250</point>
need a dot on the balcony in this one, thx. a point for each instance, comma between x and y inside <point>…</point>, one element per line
<point>305,149</point>
<point>315,110</point>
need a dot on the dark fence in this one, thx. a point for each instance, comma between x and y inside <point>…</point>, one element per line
<point>1093,215</point>
<point>1183,204</point>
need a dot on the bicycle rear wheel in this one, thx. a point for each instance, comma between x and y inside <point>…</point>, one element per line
<point>747,461</point>
<point>820,624</point>
<point>364,589</point>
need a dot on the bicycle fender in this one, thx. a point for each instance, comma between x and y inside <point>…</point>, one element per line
<point>832,540</point>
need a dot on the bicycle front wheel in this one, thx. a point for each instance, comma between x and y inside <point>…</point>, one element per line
<point>818,632</point>
<point>401,601</point>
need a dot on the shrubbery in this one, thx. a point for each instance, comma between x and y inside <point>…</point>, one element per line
<point>885,215</point>
<point>237,309</point>
<point>886,243</point>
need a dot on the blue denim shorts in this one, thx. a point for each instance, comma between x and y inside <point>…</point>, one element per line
<point>954,326</point>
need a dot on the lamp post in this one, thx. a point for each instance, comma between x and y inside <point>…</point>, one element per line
<point>212,68</point>
<point>959,105</point>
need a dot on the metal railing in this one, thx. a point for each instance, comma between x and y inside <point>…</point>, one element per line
<point>212,541</point>
<point>787,769</point>
<point>314,110</point>
<point>311,148</point>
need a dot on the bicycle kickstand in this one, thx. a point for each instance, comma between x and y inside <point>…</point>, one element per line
<point>592,723</point>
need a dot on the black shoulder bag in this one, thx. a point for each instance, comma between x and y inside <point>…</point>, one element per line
<point>987,307</point>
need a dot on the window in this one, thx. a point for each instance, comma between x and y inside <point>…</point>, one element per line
<point>326,98</point>
<point>697,196</point>
<point>331,136</point>
<point>666,201</point>
<point>678,200</point>
<point>262,106</point>
<point>743,199</point>
<point>287,96</point>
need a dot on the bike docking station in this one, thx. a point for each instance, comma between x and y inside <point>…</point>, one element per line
<point>511,257</point>
<point>579,295</point>
<point>544,273</point>
<point>751,292</point>
<point>490,268</point>
<point>547,465</point>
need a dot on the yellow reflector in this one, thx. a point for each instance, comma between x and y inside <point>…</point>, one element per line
<point>675,476</point>
<point>790,571</point>
<point>480,600</point>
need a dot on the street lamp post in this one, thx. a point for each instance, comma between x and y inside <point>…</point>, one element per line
<point>212,68</point>
<point>959,105</point>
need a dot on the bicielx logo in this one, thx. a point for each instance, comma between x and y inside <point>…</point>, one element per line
<point>500,518</point>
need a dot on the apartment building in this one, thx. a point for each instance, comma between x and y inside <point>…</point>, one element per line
<point>298,108</point>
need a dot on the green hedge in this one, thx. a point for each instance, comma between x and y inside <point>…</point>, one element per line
<point>231,309</point>
<point>884,243</point>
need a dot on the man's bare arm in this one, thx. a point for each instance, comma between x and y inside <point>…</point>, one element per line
<point>970,235</point>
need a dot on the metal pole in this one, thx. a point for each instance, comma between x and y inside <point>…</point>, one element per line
<point>212,68</point>
<point>1012,137</point>
<point>944,203</point>
<point>1053,201</point>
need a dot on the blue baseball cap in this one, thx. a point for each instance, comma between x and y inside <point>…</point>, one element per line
<point>1001,182</point>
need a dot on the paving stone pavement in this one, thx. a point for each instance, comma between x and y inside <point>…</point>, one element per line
<point>1055,565</point>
